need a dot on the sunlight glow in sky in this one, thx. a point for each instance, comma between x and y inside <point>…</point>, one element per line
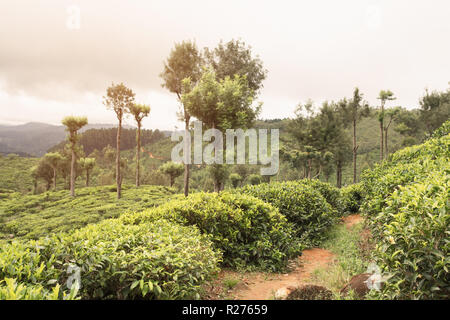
<point>53,64</point>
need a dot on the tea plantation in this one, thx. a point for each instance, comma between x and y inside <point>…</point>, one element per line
<point>146,246</point>
<point>34,216</point>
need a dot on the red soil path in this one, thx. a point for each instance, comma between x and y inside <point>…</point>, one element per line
<point>261,286</point>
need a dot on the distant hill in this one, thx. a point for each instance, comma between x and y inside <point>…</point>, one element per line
<point>35,138</point>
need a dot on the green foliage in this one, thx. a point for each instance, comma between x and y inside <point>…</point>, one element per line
<point>15,174</point>
<point>33,216</point>
<point>302,205</point>
<point>349,260</point>
<point>157,260</point>
<point>173,170</point>
<point>235,179</point>
<point>443,130</point>
<point>254,179</point>
<point>407,207</point>
<point>352,198</point>
<point>331,194</point>
<point>11,290</point>
<point>413,245</point>
<point>250,233</point>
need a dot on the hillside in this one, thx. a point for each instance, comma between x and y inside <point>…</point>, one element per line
<point>15,173</point>
<point>36,138</point>
<point>34,216</point>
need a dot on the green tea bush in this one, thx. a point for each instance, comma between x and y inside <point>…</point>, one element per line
<point>407,166</point>
<point>10,290</point>
<point>160,260</point>
<point>302,205</point>
<point>331,194</point>
<point>34,216</point>
<point>413,240</point>
<point>250,233</point>
<point>407,206</point>
<point>352,197</point>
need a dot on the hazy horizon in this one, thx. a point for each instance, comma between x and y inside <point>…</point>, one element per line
<point>312,50</point>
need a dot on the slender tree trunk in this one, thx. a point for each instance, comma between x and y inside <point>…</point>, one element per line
<point>54,179</point>
<point>118,177</point>
<point>72,172</point>
<point>186,165</point>
<point>172,180</point>
<point>386,138</point>
<point>138,148</point>
<point>309,168</point>
<point>386,142</point>
<point>381,132</point>
<point>339,174</point>
<point>87,178</point>
<point>35,186</point>
<point>355,148</point>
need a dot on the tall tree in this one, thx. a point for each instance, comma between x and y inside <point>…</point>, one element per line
<point>73,124</point>
<point>384,95</point>
<point>223,104</point>
<point>87,164</point>
<point>354,110</point>
<point>434,109</point>
<point>391,114</point>
<point>184,61</point>
<point>138,111</point>
<point>324,132</point>
<point>118,98</point>
<point>54,159</point>
<point>172,169</point>
<point>235,57</point>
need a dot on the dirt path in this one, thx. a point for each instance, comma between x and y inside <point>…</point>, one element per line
<point>261,286</point>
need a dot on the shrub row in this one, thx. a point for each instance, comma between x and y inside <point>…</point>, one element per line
<point>413,245</point>
<point>250,233</point>
<point>161,260</point>
<point>407,206</point>
<point>302,204</point>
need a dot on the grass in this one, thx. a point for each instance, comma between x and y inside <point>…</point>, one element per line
<point>230,283</point>
<point>350,259</point>
<point>34,216</point>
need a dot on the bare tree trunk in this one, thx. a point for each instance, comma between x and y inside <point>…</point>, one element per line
<point>355,149</point>
<point>172,180</point>
<point>186,165</point>
<point>54,179</point>
<point>72,172</point>
<point>87,178</point>
<point>339,174</point>
<point>118,177</point>
<point>138,148</point>
<point>381,132</point>
<point>386,138</point>
<point>386,142</point>
<point>309,168</point>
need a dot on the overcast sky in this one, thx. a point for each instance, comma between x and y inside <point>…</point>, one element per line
<point>51,67</point>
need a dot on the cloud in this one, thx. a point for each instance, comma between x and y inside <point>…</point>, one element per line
<point>318,50</point>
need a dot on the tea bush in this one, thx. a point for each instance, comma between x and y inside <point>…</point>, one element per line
<point>331,193</point>
<point>413,245</point>
<point>250,233</point>
<point>352,198</point>
<point>10,290</point>
<point>407,207</point>
<point>160,260</point>
<point>34,216</point>
<point>302,205</point>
